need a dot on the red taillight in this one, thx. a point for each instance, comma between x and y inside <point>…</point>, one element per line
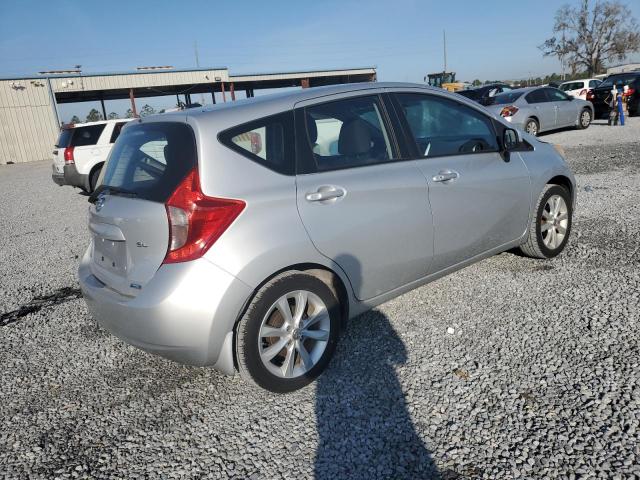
<point>195,220</point>
<point>68,155</point>
<point>509,111</point>
<point>629,92</point>
<point>590,95</point>
<point>582,92</point>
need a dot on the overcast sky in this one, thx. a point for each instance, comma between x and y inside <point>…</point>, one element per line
<point>402,38</point>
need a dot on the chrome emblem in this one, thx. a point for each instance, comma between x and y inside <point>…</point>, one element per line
<point>100,202</point>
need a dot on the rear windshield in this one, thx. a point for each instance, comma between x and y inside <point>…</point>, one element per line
<point>472,94</point>
<point>619,80</point>
<point>504,98</point>
<point>150,159</point>
<point>65,138</point>
<point>565,87</point>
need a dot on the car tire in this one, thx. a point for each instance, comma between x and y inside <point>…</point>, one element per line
<point>584,119</point>
<point>283,352</point>
<point>553,215</point>
<point>532,127</point>
<point>93,178</point>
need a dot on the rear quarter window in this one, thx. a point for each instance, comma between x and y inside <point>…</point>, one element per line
<point>151,159</point>
<point>267,141</point>
<point>89,135</point>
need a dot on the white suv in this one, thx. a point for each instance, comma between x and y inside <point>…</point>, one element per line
<point>579,88</point>
<point>81,150</point>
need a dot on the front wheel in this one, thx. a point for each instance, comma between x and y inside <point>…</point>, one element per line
<point>289,332</point>
<point>584,120</point>
<point>550,228</point>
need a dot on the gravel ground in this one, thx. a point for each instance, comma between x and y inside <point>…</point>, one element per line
<point>539,379</point>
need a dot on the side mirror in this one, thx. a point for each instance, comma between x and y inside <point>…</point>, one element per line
<point>510,139</point>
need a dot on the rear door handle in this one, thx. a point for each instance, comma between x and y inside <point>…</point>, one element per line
<point>326,192</point>
<point>445,176</point>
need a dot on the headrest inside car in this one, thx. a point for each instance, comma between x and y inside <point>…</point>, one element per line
<point>355,137</point>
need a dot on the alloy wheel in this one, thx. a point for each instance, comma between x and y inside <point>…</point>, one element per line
<point>585,119</point>
<point>554,222</point>
<point>532,128</point>
<point>294,334</point>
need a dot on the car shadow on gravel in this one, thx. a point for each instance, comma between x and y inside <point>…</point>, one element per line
<point>363,421</point>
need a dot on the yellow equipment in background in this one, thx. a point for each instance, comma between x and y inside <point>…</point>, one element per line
<point>446,80</point>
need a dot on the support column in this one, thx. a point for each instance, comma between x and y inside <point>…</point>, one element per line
<point>224,95</point>
<point>304,83</point>
<point>133,103</point>
<point>104,111</point>
<point>247,93</point>
<point>213,96</point>
<point>233,92</point>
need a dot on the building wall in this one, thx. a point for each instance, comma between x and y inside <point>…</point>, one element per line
<point>28,126</point>
<point>629,67</point>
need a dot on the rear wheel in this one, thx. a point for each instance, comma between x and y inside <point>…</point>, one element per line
<point>532,127</point>
<point>93,178</point>
<point>584,120</point>
<point>289,332</point>
<point>550,228</point>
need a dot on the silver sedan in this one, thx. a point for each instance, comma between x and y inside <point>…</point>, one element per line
<point>540,109</point>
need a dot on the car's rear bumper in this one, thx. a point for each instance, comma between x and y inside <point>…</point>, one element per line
<point>58,178</point>
<point>74,178</point>
<point>185,313</point>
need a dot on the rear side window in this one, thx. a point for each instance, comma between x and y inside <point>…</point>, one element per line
<point>347,133</point>
<point>443,127</point>
<point>267,141</point>
<point>89,135</point>
<point>537,96</point>
<point>594,83</point>
<point>556,95</point>
<point>565,87</point>
<point>151,159</point>
<point>116,131</point>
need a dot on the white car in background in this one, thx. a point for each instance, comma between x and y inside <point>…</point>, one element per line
<point>81,151</point>
<point>579,88</point>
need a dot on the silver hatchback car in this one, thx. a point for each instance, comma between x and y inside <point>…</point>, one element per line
<point>540,109</point>
<point>242,236</point>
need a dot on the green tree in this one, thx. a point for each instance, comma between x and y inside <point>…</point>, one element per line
<point>128,113</point>
<point>94,115</point>
<point>476,82</point>
<point>75,119</point>
<point>147,110</point>
<point>590,37</point>
<point>112,116</point>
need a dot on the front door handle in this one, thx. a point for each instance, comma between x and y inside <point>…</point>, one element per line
<point>326,192</point>
<point>445,176</point>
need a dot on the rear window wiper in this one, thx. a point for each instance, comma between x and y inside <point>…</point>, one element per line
<point>112,190</point>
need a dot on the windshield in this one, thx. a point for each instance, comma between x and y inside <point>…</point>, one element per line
<point>619,80</point>
<point>504,98</point>
<point>151,159</point>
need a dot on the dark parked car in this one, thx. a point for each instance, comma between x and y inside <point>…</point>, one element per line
<point>602,93</point>
<point>484,93</point>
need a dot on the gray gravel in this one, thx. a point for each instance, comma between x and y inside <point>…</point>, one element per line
<point>539,378</point>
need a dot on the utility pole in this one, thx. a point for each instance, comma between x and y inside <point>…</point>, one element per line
<point>195,51</point>
<point>444,44</point>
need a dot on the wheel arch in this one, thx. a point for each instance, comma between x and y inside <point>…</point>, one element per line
<point>322,272</point>
<point>563,181</point>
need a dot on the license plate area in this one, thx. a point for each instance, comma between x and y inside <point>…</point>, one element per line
<point>110,255</point>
